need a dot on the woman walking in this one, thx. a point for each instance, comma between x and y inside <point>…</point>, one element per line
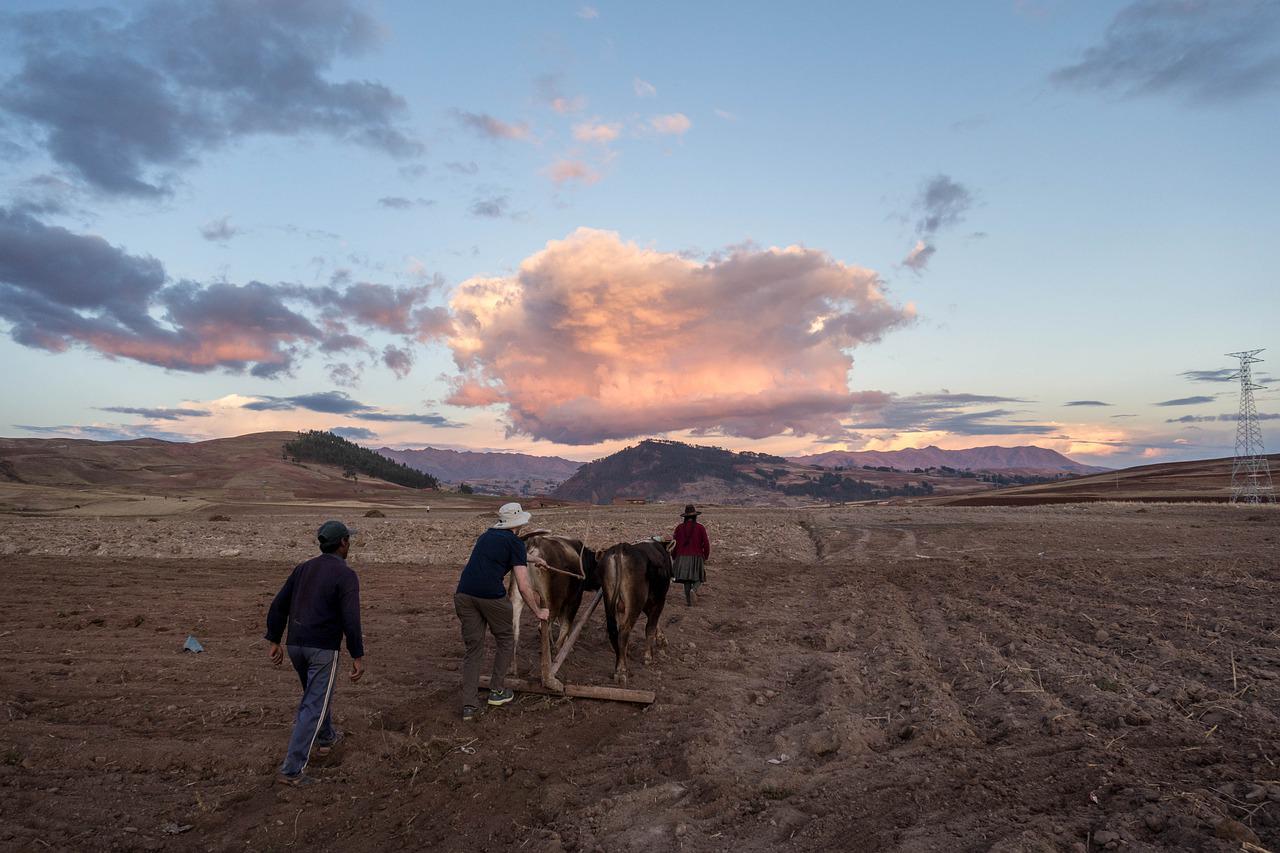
<point>692,549</point>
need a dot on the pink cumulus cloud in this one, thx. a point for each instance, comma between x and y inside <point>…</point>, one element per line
<point>597,339</point>
<point>672,124</point>
<point>569,171</point>
<point>596,131</point>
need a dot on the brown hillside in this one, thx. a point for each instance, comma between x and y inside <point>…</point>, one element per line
<point>1201,480</point>
<point>51,474</point>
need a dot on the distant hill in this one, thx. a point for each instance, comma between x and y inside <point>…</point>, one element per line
<point>244,469</point>
<point>1023,460</point>
<point>1199,480</point>
<point>330,449</point>
<point>673,471</point>
<point>469,466</point>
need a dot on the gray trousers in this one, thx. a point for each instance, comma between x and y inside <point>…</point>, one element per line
<point>318,671</point>
<point>477,614</point>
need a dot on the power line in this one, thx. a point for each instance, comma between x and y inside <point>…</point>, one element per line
<point>1250,471</point>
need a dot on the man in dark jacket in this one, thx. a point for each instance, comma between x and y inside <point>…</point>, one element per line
<point>320,602</point>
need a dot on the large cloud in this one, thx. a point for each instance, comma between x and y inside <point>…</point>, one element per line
<point>122,100</point>
<point>60,289</point>
<point>596,339</point>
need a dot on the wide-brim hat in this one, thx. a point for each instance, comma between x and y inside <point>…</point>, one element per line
<point>690,512</point>
<point>511,515</point>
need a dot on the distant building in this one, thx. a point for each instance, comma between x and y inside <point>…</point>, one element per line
<point>631,501</point>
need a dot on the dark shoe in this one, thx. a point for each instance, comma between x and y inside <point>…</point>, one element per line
<point>468,714</point>
<point>325,748</point>
<point>501,697</point>
<point>299,781</point>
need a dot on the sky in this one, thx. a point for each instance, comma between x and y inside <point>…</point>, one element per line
<point>559,228</point>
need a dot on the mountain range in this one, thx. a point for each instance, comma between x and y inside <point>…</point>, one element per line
<point>490,472</point>
<point>659,470</point>
<point>1027,459</point>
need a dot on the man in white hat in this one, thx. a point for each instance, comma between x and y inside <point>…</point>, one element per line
<point>481,601</point>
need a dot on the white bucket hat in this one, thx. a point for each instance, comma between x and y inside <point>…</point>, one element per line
<point>511,515</point>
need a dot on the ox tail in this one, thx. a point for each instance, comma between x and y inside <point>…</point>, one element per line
<point>611,569</point>
<point>590,569</point>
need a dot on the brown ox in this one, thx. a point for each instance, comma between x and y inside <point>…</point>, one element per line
<point>635,579</point>
<point>560,568</point>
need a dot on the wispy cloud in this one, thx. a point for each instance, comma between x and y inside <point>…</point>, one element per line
<point>396,202</point>
<point>458,168</point>
<point>1225,374</point>
<point>104,432</point>
<point>945,412</point>
<point>588,13</point>
<point>643,88</point>
<point>219,230</point>
<point>918,258</point>
<point>941,204</point>
<point>671,124</point>
<point>494,207</point>
<point>551,94</point>
<point>354,433</point>
<point>595,131</point>
<point>1086,403</point>
<point>483,124</point>
<point>341,403</point>
<point>1201,419</point>
<point>1207,51</point>
<point>156,414</point>
<point>1186,401</point>
<point>399,359</point>
<point>725,114</point>
<point>572,171</point>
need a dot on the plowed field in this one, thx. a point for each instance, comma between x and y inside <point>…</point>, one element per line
<point>1054,678</point>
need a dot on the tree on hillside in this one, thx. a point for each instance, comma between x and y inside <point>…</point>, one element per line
<point>329,449</point>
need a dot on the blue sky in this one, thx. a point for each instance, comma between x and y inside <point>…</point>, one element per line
<point>602,222</point>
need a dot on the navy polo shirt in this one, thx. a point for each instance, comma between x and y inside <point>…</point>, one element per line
<point>496,552</point>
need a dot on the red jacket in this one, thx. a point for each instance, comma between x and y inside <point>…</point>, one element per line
<point>691,540</point>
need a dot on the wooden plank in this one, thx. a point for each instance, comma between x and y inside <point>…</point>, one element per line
<point>578,624</point>
<point>579,691</point>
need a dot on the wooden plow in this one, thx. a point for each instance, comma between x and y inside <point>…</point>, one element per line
<point>552,686</point>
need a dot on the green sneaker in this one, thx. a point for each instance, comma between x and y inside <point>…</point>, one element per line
<point>501,697</point>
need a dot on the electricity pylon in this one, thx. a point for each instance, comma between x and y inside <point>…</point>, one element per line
<point>1250,471</point>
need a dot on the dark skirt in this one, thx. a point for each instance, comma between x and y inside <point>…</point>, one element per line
<point>689,570</point>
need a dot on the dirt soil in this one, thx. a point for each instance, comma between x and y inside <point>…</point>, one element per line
<point>923,678</point>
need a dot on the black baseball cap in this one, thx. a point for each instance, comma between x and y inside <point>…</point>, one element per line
<point>333,532</point>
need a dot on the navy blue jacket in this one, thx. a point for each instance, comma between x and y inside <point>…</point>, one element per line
<point>496,552</point>
<point>320,602</point>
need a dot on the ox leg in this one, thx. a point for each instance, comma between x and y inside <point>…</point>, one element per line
<point>549,681</point>
<point>652,616</point>
<point>517,605</point>
<point>626,621</point>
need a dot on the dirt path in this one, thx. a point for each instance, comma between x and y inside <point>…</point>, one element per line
<point>938,679</point>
